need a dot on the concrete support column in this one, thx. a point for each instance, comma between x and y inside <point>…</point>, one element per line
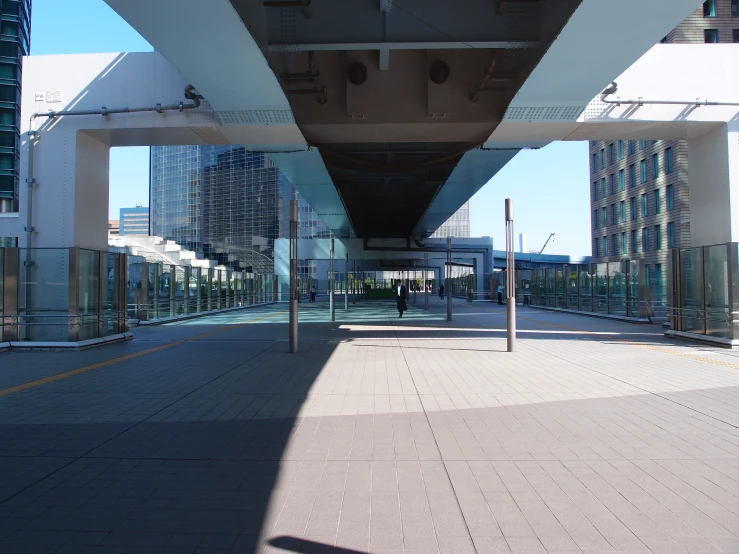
<point>713,162</point>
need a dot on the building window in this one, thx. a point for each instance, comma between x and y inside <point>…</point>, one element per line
<point>613,214</point>
<point>657,238</point>
<point>614,245</point>
<point>671,235</point>
<point>734,8</point>
<point>670,197</point>
<point>595,219</point>
<point>644,205</point>
<point>605,246</point>
<point>602,158</point>
<point>735,35</point>
<point>611,154</point>
<point>632,147</point>
<point>632,175</point>
<point>621,150</point>
<point>657,207</point>
<point>632,208</point>
<point>603,189</point>
<point>643,169</point>
<point>621,180</point>
<point>622,211</point>
<point>645,240</point>
<point>709,8</point>
<point>595,190</point>
<point>710,36</point>
<point>623,243</point>
<point>596,248</point>
<point>668,160</point>
<point>642,144</point>
<point>634,244</point>
<point>595,163</point>
<point>604,217</point>
<point>655,165</point>
<point>612,180</point>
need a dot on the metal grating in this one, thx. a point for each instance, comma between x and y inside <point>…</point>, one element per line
<point>585,131</point>
<point>597,109</point>
<point>211,135</point>
<point>256,117</point>
<point>544,113</point>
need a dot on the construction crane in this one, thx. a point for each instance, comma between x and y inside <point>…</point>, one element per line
<point>545,244</point>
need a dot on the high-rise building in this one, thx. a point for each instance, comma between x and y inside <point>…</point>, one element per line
<point>457,226</point>
<point>225,203</point>
<point>114,227</point>
<point>15,42</point>
<point>639,201</point>
<point>134,221</point>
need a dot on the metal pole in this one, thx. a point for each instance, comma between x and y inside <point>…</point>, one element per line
<point>294,293</point>
<point>448,279</point>
<point>425,277</point>
<point>354,283</point>
<point>415,282</point>
<point>346,282</point>
<point>510,275</point>
<point>331,299</point>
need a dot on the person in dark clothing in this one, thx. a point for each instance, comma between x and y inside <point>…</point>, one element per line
<point>402,296</point>
<point>441,292</point>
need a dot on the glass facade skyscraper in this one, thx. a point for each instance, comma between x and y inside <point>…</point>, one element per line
<point>457,226</point>
<point>15,42</point>
<point>225,203</point>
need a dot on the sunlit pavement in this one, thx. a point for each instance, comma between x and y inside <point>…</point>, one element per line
<point>382,435</point>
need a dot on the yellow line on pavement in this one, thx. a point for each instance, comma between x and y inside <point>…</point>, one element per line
<point>85,369</point>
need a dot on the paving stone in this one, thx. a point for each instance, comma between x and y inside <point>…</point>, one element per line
<point>594,436</point>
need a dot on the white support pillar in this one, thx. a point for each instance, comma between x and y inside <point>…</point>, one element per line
<point>713,169</point>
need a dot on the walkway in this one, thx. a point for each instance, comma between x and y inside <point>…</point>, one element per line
<point>382,435</point>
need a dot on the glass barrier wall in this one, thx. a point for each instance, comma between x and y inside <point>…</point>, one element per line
<point>606,288</point>
<point>705,290</point>
<point>76,294</point>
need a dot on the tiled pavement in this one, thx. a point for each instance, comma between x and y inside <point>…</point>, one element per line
<point>382,435</point>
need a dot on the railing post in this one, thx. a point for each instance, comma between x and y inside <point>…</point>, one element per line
<point>73,318</point>
<point>11,278</point>
<point>101,292</point>
<point>172,289</point>
<point>210,289</point>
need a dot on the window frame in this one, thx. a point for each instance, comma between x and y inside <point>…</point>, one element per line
<point>670,197</point>
<point>645,239</point>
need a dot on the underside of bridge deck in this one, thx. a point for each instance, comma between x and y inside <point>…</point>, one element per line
<point>393,93</point>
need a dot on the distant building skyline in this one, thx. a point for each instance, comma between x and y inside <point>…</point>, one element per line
<point>134,221</point>
<point>457,226</point>
<point>225,203</point>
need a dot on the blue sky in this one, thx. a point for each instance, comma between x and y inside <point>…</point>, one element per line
<point>550,186</point>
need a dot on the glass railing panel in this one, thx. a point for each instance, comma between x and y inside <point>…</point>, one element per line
<point>617,284</point>
<point>716,290</point>
<point>601,288</point>
<point>43,303</point>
